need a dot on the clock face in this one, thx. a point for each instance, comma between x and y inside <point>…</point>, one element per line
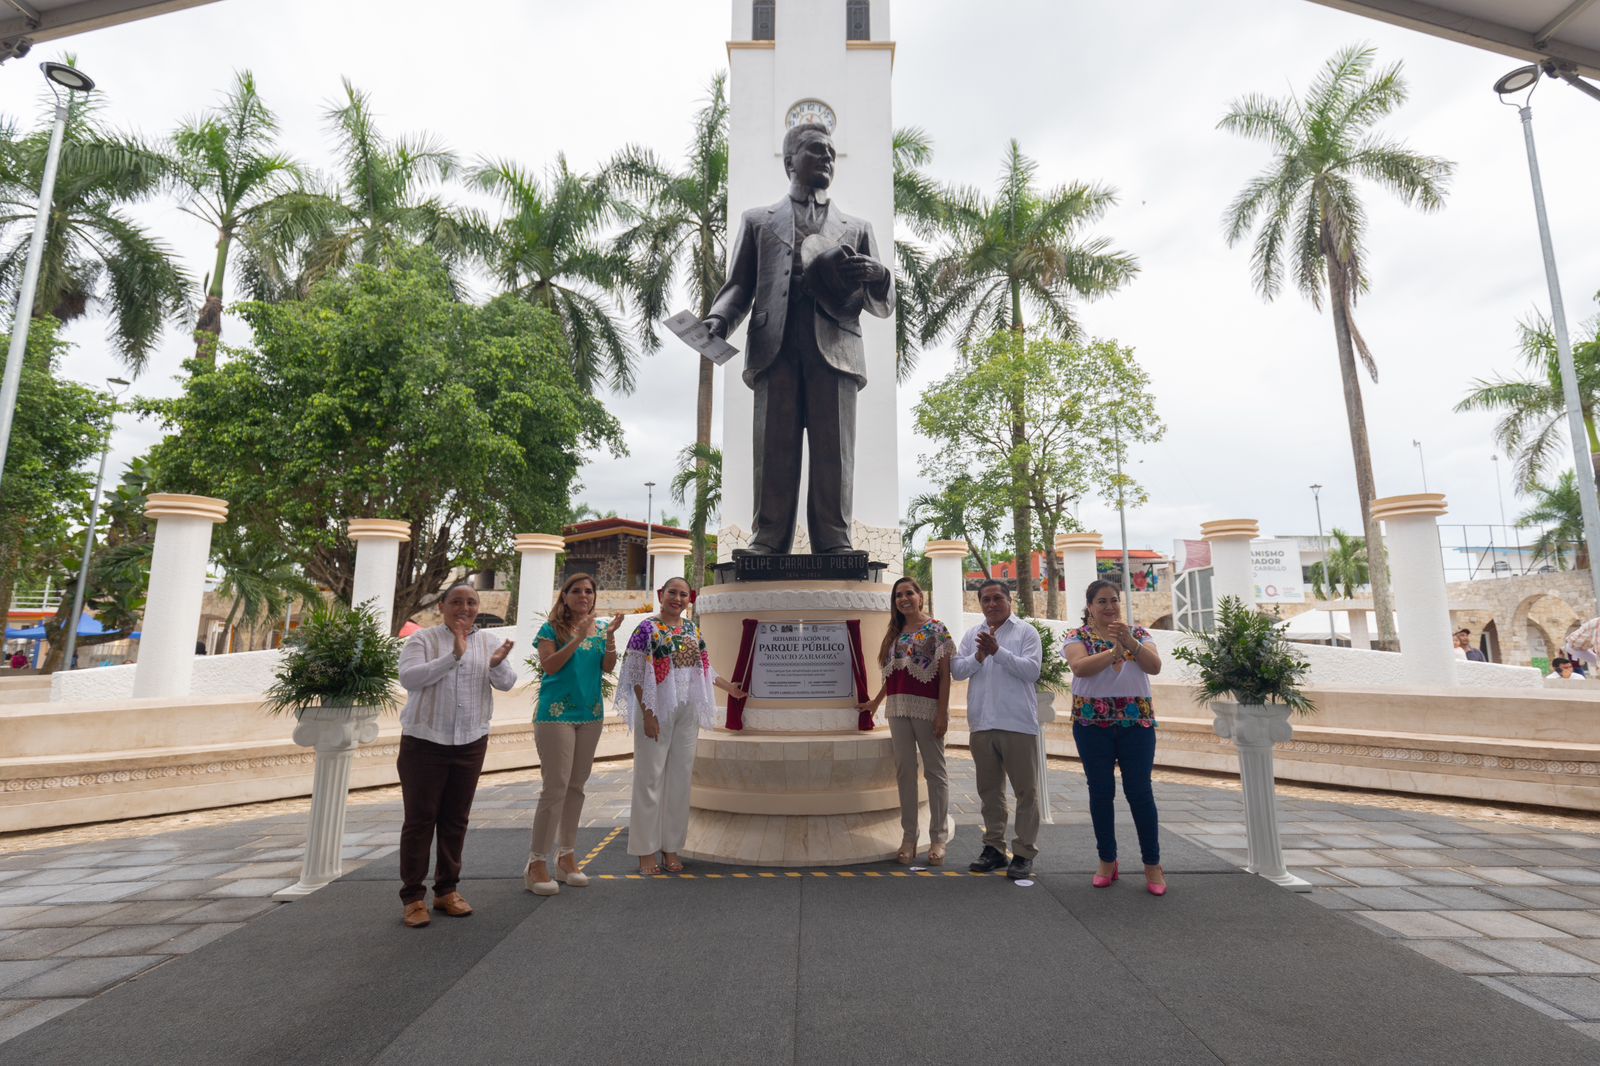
<point>811,111</point>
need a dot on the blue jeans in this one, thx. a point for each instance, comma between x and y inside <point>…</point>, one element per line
<point>1102,748</point>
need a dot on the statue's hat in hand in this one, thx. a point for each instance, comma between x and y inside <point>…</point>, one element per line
<point>820,260</point>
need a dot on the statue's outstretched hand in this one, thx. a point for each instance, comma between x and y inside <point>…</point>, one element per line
<point>863,270</point>
<point>717,326</point>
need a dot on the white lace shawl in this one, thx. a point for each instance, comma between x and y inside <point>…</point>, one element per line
<point>669,681</point>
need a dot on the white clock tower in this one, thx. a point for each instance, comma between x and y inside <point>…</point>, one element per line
<point>828,61</point>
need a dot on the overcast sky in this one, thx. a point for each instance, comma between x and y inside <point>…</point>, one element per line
<point>1126,94</point>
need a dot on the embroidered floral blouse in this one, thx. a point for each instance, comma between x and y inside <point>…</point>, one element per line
<point>1119,695</point>
<point>911,676</point>
<point>670,667</point>
<point>572,693</point>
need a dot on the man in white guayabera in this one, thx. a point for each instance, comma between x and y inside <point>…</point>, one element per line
<point>1000,660</point>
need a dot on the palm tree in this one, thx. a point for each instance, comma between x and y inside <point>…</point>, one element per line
<point>94,250</point>
<point>1557,507</point>
<point>699,468</point>
<point>1343,570</point>
<point>962,509</point>
<point>231,174</point>
<point>1312,216</point>
<point>1533,427</point>
<point>262,581</point>
<point>918,203</point>
<point>1024,247</point>
<point>547,249</point>
<point>385,196</point>
<point>678,232</point>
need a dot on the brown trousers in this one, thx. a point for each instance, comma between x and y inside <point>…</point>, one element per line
<point>566,755</point>
<point>998,755</point>
<point>437,783</point>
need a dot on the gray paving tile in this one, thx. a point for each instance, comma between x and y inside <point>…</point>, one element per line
<point>1578,923</point>
<point>123,873</point>
<point>1589,1029</point>
<point>15,971</point>
<point>63,915</point>
<point>1572,875</point>
<point>1511,875</point>
<point>100,893</point>
<point>1357,857</point>
<point>1550,857</point>
<point>1418,857</point>
<point>1458,956</point>
<point>1532,957</point>
<point>150,912</point>
<point>198,936</point>
<point>1579,996</point>
<point>250,887</point>
<point>82,977</point>
<point>1464,898</point>
<point>1503,925</point>
<point>35,1012</point>
<point>1526,999</point>
<point>231,910</point>
<point>1540,898</point>
<point>1372,876</point>
<point>1448,877</point>
<point>179,890</point>
<point>1333,901</point>
<point>288,872</point>
<point>43,943</point>
<point>195,871</point>
<point>143,940</point>
<point>1390,899</point>
<point>35,878</point>
<point>10,915</point>
<point>21,894</point>
<point>1421,924</point>
<point>1589,948</point>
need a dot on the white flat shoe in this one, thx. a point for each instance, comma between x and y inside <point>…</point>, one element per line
<point>538,888</point>
<point>575,878</point>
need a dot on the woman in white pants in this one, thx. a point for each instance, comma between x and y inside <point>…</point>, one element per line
<point>664,694</point>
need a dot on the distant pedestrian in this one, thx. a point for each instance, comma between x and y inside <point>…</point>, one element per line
<point>575,650</point>
<point>1114,726</point>
<point>19,661</point>
<point>664,694</point>
<point>1000,660</point>
<point>1565,669</point>
<point>448,671</point>
<point>915,658</point>
<point>1463,638</point>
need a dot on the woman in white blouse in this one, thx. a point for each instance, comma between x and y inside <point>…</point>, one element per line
<point>664,694</point>
<point>447,671</point>
<point>1114,727</point>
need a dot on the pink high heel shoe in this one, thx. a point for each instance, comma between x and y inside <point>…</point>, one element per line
<point>1156,889</point>
<point>1101,881</point>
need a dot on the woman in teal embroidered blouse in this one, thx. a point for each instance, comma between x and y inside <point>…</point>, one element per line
<point>574,650</point>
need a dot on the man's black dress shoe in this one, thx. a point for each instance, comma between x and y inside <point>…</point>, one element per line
<point>1019,868</point>
<point>992,858</point>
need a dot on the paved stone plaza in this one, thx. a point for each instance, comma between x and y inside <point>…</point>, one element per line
<point>1516,907</point>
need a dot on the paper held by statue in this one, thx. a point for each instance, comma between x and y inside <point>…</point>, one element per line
<point>688,326</point>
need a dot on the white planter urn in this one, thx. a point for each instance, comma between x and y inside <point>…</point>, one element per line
<point>1047,714</point>
<point>335,733</point>
<point>1254,729</point>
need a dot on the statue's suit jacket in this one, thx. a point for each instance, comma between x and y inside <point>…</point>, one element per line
<point>758,279</point>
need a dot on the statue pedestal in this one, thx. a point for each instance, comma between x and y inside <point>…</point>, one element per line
<point>800,785</point>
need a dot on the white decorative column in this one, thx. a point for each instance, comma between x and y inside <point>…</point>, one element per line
<point>668,557</point>
<point>1232,573</point>
<point>536,589</point>
<point>1254,729</point>
<point>1422,609</point>
<point>1079,569</point>
<point>177,584</point>
<point>378,543</point>
<point>335,733</point>
<point>946,558</point>
<point>1360,633</point>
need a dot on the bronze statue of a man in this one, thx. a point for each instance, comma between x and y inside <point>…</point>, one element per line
<point>807,270</point>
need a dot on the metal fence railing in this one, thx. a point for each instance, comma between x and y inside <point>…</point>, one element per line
<point>1487,552</point>
<point>46,597</point>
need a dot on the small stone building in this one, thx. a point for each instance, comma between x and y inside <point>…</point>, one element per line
<point>612,551</point>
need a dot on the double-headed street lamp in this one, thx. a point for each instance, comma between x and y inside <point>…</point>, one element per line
<point>118,387</point>
<point>72,80</point>
<point>1525,80</point>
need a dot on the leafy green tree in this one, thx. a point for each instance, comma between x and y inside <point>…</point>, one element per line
<point>95,252</point>
<point>1344,570</point>
<point>1024,247</point>
<point>381,395</point>
<point>1533,424</point>
<point>385,198</point>
<point>1082,405</point>
<point>58,429</point>
<point>677,234</point>
<point>962,507</point>
<point>548,250</point>
<point>1557,507</point>
<point>1313,223</point>
<point>231,173</point>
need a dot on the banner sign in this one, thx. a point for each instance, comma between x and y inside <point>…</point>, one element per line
<point>1277,569</point>
<point>802,661</point>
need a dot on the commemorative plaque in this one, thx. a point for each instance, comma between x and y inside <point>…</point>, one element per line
<point>802,661</point>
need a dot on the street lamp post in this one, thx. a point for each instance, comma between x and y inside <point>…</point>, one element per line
<point>72,80</point>
<point>118,387</point>
<point>649,531</point>
<point>1516,539</point>
<point>1527,78</point>
<point>1316,498</point>
<point>1417,444</point>
<point>1122,518</point>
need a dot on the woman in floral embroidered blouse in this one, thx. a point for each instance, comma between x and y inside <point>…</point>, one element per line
<point>664,694</point>
<point>915,657</point>
<point>1114,725</point>
<point>574,650</point>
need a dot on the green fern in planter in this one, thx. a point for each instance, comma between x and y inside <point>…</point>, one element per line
<point>1055,675</point>
<point>339,657</point>
<point>1247,659</point>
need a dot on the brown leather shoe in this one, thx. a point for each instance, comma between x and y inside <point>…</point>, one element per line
<point>452,904</point>
<point>416,915</point>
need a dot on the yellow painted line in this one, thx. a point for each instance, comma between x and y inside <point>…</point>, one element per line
<point>791,873</point>
<point>874,873</point>
<point>845,873</point>
<point>598,848</point>
<point>821,873</point>
<point>768,875</point>
<point>712,877</point>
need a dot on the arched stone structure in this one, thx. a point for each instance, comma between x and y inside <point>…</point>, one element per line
<point>1538,626</point>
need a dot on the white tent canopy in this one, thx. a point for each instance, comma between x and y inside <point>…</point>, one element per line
<point>1313,625</point>
<point>24,23</point>
<point>1565,31</point>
